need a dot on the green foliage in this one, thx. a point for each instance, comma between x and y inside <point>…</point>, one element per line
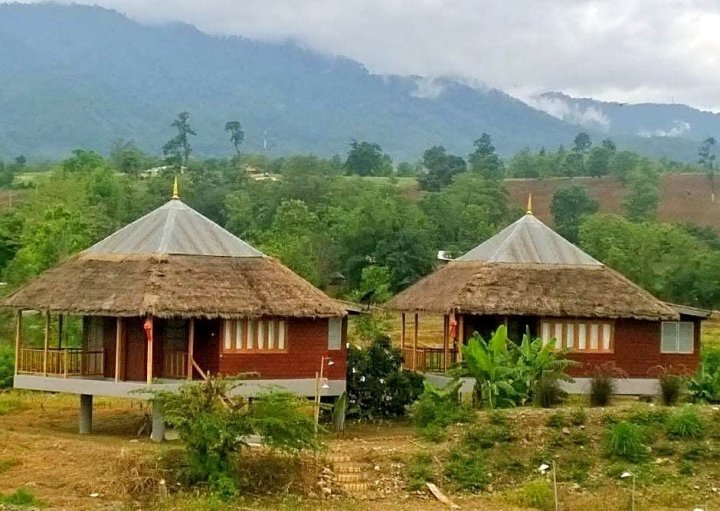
<point>672,387</point>
<point>685,423</point>
<point>625,440</point>
<point>22,497</point>
<point>339,413</point>
<point>376,386</point>
<point>8,463</point>
<point>466,470</point>
<point>507,374</point>
<point>484,160</point>
<point>704,387</point>
<point>367,159</point>
<point>538,494</point>
<point>487,436</point>
<point>237,135</point>
<point>578,417</point>
<point>570,205</point>
<point>419,471</point>
<point>602,384</point>
<point>177,150</point>
<point>643,197</point>
<point>557,420</point>
<point>7,366</point>
<point>214,426</point>
<point>440,168</point>
<point>436,409</point>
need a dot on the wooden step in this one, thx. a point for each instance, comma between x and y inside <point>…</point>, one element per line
<point>351,467</point>
<point>354,487</point>
<point>350,478</point>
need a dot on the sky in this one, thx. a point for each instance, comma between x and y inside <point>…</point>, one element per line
<point>618,50</point>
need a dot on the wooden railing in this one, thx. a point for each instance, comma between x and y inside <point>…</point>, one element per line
<point>428,360</point>
<point>175,364</point>
<point>60,362</point>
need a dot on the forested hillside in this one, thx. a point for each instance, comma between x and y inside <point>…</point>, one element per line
<point>76,76</point>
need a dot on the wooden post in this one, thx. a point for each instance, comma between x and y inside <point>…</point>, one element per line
<point>461,336</point>
<point>191,347</point>
<point>402,337</point>
<point>18,335</point>
<point>415,343</point>
<point>65,362</point>
<point>47,341</point>
<point>446,351</point>
<point>118,347</point>
<point>149,335</point>
<point>60,330</point>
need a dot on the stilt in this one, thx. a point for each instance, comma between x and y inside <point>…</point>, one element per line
<point>446,351</point>
<point>158,423</point>
<point>402,339</point>
<point>415,344</point>
<point>86,413</point>
<point>461,336</point>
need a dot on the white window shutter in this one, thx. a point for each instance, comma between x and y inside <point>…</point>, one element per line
<point>334,333</point>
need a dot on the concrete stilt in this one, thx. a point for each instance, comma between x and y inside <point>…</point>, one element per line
<point>158,424</point>
<point>86,413</point>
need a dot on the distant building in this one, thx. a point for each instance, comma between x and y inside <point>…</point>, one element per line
<point>529,277</point>
<point>173,297</point>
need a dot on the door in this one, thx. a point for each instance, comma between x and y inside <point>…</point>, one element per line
<point>135,350</point>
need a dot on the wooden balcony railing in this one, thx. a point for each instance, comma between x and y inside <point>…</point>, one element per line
<point>175,364</point>
<point>428,360</point>
<point>60,362</point>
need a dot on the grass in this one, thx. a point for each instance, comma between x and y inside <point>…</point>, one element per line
<point>22,497</point>
<point>8,463</point>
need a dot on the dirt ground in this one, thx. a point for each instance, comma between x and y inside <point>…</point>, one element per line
<point>40,450</point>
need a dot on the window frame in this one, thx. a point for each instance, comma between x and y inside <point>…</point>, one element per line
<point>255,326</point>
<point>332,323</point>
<point>677,338</point>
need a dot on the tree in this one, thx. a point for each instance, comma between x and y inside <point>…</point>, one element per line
<point>600,158</point>
<point>441,168</point>
<point>570,205</point>
<point>643,196</point>
<point>126,157</point>
<point>706,159</point>
<point>237,135</point>
<point>366,159</point>
<point>484,160</point>
<point>178,148</point>
<point>582,143</point>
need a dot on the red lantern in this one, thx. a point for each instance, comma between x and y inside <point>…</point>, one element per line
<point>148,326</point>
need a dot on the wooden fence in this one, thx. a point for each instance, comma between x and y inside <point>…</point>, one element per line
<point>60,362</point>
<point>175,364</point>
<point>428,360</point>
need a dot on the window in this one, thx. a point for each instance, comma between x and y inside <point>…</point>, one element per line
<point>334,333</point>
<point>579,336</point>
<point>255,335</point>
<point>677,337</point>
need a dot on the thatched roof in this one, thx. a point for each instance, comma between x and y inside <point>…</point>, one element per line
<point>528,270</point>
<point>160,269</point>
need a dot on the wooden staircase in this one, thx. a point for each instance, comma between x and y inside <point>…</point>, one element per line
<point>351,477</point>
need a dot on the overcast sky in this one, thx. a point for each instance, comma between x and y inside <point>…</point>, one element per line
<point>624,50</point>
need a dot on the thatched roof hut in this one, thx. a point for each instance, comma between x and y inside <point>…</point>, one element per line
<point>174,262</point>
<point>529,270</point>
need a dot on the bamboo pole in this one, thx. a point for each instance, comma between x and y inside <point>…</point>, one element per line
<point>60,329</point>
<point>18,335</point>
<point>118,346</point>
<point>415,343</point>
<point>191,347</point>
<point>461,336</point>
<point>446,351</point>
<point>402,337</point>
<point>47,341</point>
<point>150,341</point>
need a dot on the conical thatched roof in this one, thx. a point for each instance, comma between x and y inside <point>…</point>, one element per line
<point>174,262</point>
<point>528,269</point>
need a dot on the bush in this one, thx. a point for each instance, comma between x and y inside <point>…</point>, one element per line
<point>7,366</point>
<point>466,470</point>
<point>602,384</point>
<point>648,417</point>
<point>376,386</point>
<point>625,440</point>
<point>437,409</point>
<point>548,393</point>
<point>578,417</point>
<point>671,386</point>
<point>213,425</point>
<point>705,386</point>
<point>557,420</point>
<point>486,436</point>
<point>538,495</point>
<point>419,471</point>
<point>685,423</point>
<point>22,497</point>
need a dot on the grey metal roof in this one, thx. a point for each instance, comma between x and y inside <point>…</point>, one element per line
<point>528,240</point>
<point>174,228</point>
<point>686,310</point>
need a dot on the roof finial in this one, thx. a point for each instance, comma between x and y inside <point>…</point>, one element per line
<point>529,208</point>
<point>176,194</point>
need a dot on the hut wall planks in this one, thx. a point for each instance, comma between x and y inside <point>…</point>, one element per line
<point>307,343</point>
<point>637,352</point>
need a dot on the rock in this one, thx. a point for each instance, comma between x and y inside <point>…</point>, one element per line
<point>326,491</point>
<point>566,430</point>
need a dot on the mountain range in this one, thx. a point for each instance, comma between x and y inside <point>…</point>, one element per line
<point>79,76</point>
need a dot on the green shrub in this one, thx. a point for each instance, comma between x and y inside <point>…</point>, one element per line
<point>487,436</point>
<point>437,409</point>
<point>685,423</point>
<point>419,471</point>
<point>557,420</point>
<point>687,468</point>
<point>648,417</point>
<point>8,463</point>
<point>466,470</point>
<point>7,366</point>
<point>578,417</point>
<point>602,384</point>
<point>548,392</point>
<point>376,386</point>
<point>214,426</point>
<point>538,495</point>
<point>22,497</point>
<point>625,440</point>
<point>696,452</point>
<point>671,386</point>
<point>705,386</point>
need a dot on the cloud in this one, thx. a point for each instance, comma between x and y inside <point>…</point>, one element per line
<point>621,50</point>
<point>591,117</point>
<point>428,88</point>
<point>678,129</point>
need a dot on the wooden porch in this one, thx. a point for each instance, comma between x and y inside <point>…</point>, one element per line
<point>60,362</point>
<point>432,358</point>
